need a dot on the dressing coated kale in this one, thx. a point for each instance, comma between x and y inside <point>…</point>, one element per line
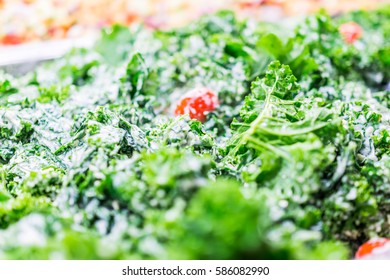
<point>294,163</point>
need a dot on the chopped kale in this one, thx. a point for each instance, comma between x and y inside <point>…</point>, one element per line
<point>294,162</point>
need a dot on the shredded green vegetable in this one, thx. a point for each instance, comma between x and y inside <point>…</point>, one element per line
<point>294,163</point>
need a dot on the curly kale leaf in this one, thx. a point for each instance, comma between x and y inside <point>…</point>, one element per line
<point>6,89</point>
<point>211,228</point>
<point>283,143</point>
<point>138,79</point>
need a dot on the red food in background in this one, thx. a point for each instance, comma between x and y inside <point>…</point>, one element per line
<point>251,4</point>
<point>35,20</point>
<point>370,248</point>
<point>351,32</point>
<point>11,39</point>
<point>197,103</point>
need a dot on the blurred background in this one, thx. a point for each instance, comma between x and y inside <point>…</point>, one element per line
<point>24,21</point>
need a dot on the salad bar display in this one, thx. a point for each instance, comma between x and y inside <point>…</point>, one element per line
<point>222,139</point>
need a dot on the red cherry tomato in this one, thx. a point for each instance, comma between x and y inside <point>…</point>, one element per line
<point>351,32</point>
<point>376,246</point>
<point>197,103</point>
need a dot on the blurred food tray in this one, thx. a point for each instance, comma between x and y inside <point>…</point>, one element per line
<point>20,59</point>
